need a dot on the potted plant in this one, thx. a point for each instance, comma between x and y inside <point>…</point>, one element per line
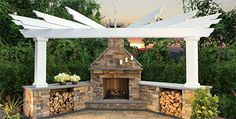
<point>61,78</point>
<point>74,79</point>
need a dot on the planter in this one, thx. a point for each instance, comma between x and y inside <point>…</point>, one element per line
<point>74,82</point>
<point>62,83</point>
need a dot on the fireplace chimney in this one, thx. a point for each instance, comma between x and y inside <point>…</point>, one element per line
<point>116,42</point>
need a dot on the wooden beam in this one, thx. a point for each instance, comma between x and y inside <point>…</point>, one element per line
<point>118,33</point>
<point>151,17</point>
<point>83,19</point>
<point>60,21</point>
<point>195,24</point>
<point>170,21</point>
<point>36,22</point>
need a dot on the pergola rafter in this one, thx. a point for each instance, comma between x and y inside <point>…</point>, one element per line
<point>61,22</point>
<point>147,19</point>
<point>182,26</point>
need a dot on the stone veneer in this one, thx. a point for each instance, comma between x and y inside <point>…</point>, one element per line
<point>82,94</point>
<point>150,94</point>
<point>188,96</point>
<point>36,102</point>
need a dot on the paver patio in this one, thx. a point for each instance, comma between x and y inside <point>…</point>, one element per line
<point>113,114</point>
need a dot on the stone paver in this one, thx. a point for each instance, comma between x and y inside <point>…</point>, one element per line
<point>112,114</point>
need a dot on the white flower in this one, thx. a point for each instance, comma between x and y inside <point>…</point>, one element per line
<point>61,77</point>
<point>74,78</point>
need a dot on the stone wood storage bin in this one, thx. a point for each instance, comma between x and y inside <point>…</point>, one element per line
<point>150,92</point>
<point>36,100</point>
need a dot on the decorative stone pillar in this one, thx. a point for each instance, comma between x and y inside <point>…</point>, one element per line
<point>188,96</point>
<point>36,102</point>
<point>40,62</point>
<point>192,62</point>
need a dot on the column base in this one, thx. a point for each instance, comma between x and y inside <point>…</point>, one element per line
<point>40,85</point>
<point>190,85</point>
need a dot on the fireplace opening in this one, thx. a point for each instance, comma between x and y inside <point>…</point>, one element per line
<point>116,88</point>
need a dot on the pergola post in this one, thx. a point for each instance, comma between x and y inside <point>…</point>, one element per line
<point>192,62</point>
<point>40,62</point>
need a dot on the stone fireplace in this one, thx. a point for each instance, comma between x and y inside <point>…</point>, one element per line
<point>115,74</point>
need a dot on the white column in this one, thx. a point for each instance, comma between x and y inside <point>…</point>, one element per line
<point>40,62</point>
<point>192,62</point>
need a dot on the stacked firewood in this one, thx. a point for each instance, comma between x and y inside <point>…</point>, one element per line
<point>61,101</point>
<point>171,102</point>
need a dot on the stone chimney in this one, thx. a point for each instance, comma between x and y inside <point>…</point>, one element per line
<point>113,55</point>
<point>116,43</point>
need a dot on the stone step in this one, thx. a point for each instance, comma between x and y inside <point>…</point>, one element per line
<point>115,104</point>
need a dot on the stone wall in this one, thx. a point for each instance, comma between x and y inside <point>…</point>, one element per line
<point>188,96</point>
<point>150,94</point>
<point>82,95</point>
<point>36,102</point>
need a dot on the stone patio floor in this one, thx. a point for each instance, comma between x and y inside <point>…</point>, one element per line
<point>113,114</point>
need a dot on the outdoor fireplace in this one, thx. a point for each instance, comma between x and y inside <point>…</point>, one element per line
<point>115,74</point>
<point>116,88</point>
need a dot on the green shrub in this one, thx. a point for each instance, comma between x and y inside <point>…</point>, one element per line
<point>204,106</point>
<point>227,106</point>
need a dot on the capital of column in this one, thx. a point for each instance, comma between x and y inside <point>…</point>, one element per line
<point>194,38</point>
<point>40,39</point>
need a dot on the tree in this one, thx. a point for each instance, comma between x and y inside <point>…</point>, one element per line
<point>225,30</point>
<point>204,7</point>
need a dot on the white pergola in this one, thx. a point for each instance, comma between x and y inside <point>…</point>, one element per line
<point>182,26</point>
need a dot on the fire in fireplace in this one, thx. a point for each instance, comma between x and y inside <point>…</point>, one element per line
<point>116,88</point>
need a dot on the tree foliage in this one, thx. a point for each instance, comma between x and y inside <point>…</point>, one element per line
<point>204,7</point>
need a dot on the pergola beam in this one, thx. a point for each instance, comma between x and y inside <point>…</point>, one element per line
<point>60,21</point>
<point>36,22</point>
<point>83,19</point>
<point>151,17</point>
<point>118,33</point>
<point>170,21</point>
<point>195,24</point>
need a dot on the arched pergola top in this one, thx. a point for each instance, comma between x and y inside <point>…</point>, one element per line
<point>183,26</point>
<point>180,26</point>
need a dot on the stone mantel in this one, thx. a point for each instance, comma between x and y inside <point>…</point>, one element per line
<point>170,85</point>
<point>57,86</point>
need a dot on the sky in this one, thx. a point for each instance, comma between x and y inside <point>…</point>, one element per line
<point>130,10</point>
